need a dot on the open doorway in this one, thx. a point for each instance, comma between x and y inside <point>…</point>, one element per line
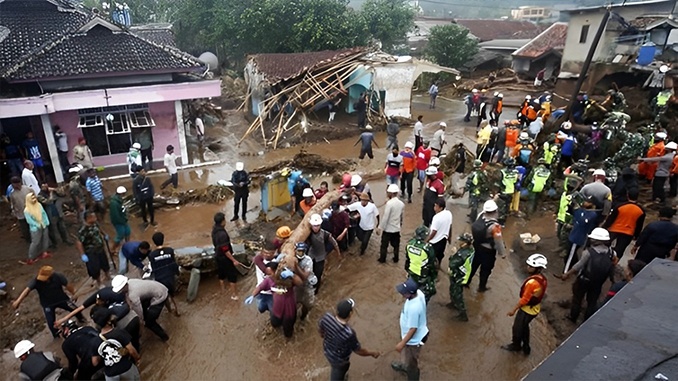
<point>23,138</point>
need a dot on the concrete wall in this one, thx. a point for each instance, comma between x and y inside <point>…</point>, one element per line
<point>575,52</point>
<point>164,133</point>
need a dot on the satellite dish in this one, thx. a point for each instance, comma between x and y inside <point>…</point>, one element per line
<point>210,60</point>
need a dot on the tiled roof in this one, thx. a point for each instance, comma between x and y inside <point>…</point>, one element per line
<point>55,39</point>
<point>487,30</point>
<point>32,23</point>
<point>551,39</point>
<point>282,66</point>
<point>101,51</point>
<point>159,34</point>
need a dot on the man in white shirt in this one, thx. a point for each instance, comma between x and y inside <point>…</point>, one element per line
<point>62,148</point>
<point>28,178</point>
<point>369,219</point>
<point>441,229</point>
<point>200,129</point>
<point>418,133</point>
<point>170,162</point>
<point>438,141</point>
<point>391,224</point>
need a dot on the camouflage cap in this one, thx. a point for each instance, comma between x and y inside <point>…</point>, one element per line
<point>421,232</point>
<point>466,237</point>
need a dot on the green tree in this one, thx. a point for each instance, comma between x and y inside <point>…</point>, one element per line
<point>388,21</point>
<point>235,28</point>
<point>450,45</point>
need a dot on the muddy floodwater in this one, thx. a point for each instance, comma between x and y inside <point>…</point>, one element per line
<point>216,338</point>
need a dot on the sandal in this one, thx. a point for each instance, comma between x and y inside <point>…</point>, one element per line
<point>45,255</point>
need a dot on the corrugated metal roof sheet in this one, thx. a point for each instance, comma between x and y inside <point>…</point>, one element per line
<point>551,39</point>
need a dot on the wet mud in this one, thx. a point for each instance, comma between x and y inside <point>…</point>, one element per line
<point>217,338</point>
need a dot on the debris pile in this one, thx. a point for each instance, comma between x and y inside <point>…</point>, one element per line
<point>307,162</point>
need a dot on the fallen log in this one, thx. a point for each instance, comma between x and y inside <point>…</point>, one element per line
<point>303,230</point>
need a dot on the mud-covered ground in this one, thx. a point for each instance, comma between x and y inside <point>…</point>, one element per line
<point>216,338</point>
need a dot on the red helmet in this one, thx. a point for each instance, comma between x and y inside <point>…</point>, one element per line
<point>346,179</point>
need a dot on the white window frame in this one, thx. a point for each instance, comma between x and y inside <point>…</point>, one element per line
<point>96,117</point>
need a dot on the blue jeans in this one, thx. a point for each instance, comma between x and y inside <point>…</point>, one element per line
<point>265,303</point>
<point>392,180</point>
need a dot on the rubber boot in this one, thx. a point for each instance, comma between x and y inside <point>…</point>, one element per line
<point>482,286</point>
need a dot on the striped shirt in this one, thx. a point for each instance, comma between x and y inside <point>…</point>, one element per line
<point>94,188</point>
<point>339,340</point>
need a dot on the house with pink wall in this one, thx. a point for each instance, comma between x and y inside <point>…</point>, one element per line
<point>63,65</point>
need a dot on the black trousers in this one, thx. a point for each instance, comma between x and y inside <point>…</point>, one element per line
<point>57,224</point>
<point>521,330</point>
<point>439,250</point>
<point>673,184</point>
<point>362,117</point>
<point>318,269</point>
<point>240,198</point>
<point>63,161</point>
<point>418,142</point>
<point>658,188</point>
<point>364,237</point>
<point>622,242</point>
<point>151,315</point>
<point>394,240</point>
<point>173,179</point>
<point>483,259</point>
<point>366,151</point>
<point>147,155</point>
<point>338,372</point>
<point>581,289</point>
<point>147,209</point>
<point>406,179</point>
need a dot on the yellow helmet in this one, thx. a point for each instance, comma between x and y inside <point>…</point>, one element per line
<point>283,232</point>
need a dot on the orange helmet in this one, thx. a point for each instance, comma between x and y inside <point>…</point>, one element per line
<point>283,232</point>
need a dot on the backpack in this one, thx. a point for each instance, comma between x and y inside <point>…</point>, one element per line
<point>598,266</point>
<point>479,230</point>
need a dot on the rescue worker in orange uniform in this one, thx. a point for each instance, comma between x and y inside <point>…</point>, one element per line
<point>647,169</point>
<point>528,307</point>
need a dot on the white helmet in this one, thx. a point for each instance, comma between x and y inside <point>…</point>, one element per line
<point>355,180</point>
<point>430,171</point>
<point>566,125</point>
<point>121,190</point>
<point>599,172</point>
<point>500,95</point>
<point>490,206</point>
<point>443,124</point>
<point>409,145</point>
<point>663,68</point>
<point>308,192</point>
<point>315,219</point>
<point>393,188</point>
<point>537,260</point>
<point>600,234</point>
<point>496,93</point>
<point>22,347</point>
<point>136,146</point>
<point>368,127</point>
<point>528,97</point>
<point>435,161</point>
<point>239,166</point>
<point>671,146</point>
<point>524,135</point>
<point>660,135</point>
<point>118,282</point>
<point>474,90</point>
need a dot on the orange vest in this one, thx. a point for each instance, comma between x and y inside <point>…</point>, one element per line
<point>511,137</point>
<point>648,169</point>
<point>674,166</point>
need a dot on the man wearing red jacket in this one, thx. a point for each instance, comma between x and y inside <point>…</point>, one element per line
<point>423,157</point>
<point>531,293</point>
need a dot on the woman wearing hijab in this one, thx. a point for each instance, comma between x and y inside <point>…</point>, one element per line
<point>37,222</point>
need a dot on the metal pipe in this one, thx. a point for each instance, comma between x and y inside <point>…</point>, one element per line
<point>155,171</point>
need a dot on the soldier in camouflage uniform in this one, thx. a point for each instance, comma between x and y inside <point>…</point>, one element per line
<point>77,192</point>
<point>476,186</point>
<point>90,244</point>
<point>635,145</point>
<point>459,271</point>
<point>420,262</point>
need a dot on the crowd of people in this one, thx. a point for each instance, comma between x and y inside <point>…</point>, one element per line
<point>596,220</point>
